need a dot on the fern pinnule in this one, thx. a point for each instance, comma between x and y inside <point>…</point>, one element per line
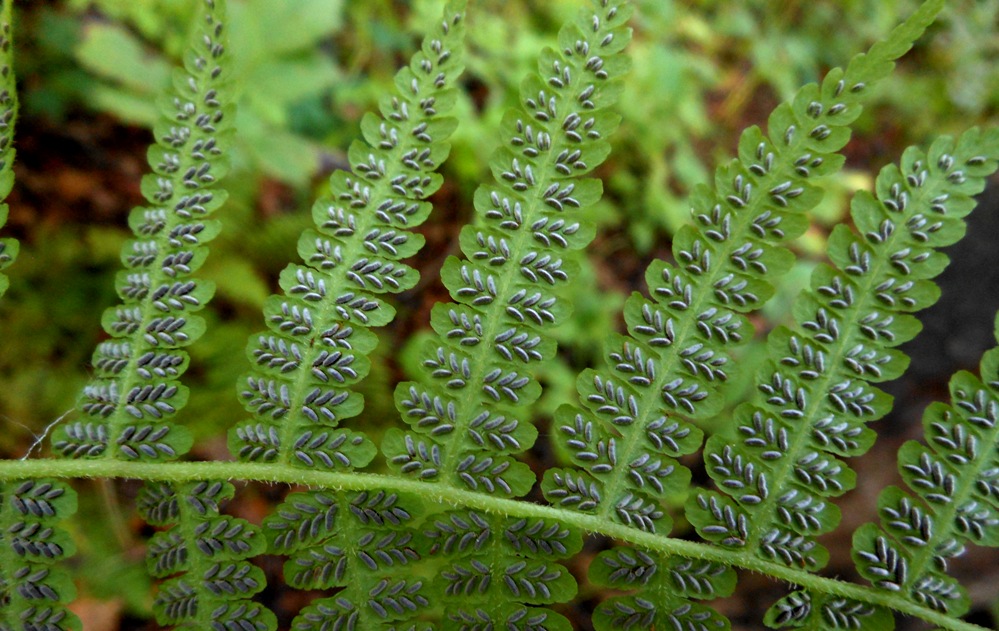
<point>955,478</point>
<point>8,115</point>
<point>136,387</point>
<point>814,393</point>
<point>318,338</point>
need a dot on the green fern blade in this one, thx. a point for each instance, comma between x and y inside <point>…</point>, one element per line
<point>630,431</point>
<point>955,476</point>
<point>204,557</point>
<point>136,388</point>
<point>8,116</point>
<point>299,390</point>
<point>34,589</point>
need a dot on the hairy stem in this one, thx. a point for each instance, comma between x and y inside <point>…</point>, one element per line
<point>449,495</point>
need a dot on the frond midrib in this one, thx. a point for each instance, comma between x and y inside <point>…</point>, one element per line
<point>454,496</point>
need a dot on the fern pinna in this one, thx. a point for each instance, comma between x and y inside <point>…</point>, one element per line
<point>955,477</point>
<point>299,390</point>
<point>136,387</point>
<point>319,331</point>
<point>468,420</point>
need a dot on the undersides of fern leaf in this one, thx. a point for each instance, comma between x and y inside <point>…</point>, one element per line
<point>448,526</point>
<point>814,395</point>
<point>319,336</point>
<point>135,392</point>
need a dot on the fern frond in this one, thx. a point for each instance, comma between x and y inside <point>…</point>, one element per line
<point>136,387</point>
<point>815,395</point>
<point>467,419</point>
<point>204,553</point>
<point>8,115</point>
<point>955,477</point>
<point>319,337</point>
<point>34,590</point>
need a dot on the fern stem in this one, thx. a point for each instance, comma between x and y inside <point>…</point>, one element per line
<point>455,496</point>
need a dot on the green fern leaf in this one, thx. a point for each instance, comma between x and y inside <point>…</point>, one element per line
<point>509,291</point>
<point>626,440</point>
<point>466,420</point>
<point>34,590</point>
<point>319,337</point>
<point>815,396</point>
<point>136,388</point>
<point>205,555</point>
<point>8,115</point>
<point>955,476</point>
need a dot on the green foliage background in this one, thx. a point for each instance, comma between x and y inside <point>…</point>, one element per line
<point>308,70</point>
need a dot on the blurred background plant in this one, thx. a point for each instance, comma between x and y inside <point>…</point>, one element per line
<point>308,70</point>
